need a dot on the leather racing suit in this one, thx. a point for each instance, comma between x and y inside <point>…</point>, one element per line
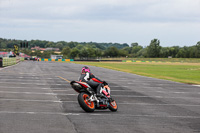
<point>93,81</point>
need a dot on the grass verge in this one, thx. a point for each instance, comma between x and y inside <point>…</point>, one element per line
<point>180,72</point>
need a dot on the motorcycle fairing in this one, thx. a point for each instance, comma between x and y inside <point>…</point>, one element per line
<point>80,86</point>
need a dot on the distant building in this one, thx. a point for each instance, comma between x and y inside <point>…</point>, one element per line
<point>38,48</point>
<point>56,56</point>
<point>44,49</point>
<point>57,52</point>
<point>53,49</point>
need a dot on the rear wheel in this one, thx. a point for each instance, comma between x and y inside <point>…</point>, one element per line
<point>86,105</point>
<point>113,106</point>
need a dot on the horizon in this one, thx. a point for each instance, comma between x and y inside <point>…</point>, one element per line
<point>98,42</point>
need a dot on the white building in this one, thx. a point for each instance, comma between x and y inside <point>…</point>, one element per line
<point>56,56</point>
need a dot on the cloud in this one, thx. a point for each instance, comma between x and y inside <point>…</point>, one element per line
<point>102,20</point>
<point>123,10</point>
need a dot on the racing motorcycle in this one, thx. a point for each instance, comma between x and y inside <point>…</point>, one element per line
<point>88,100</point>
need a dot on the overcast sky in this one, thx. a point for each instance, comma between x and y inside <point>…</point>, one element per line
<point>173,22</point>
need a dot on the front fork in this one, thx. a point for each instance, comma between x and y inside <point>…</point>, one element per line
<point>93,98</point>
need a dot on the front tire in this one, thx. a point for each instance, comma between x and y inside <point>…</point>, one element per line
<point>113,106</point>
<point>84,103</point>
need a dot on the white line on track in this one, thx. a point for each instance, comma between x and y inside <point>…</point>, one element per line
<point>196,85</point>
<point>99,114</point>
<point>7,87</point>
<point>8,66</point>
<point>149,104</point>
<point>27,100</point>
<point>43,113</point>
<point>33,83</point>
<point>35,93</point>
<point>131,83</point>
<point>121,86</point>
<point>163,97</point>
<point>18,79</point>
<point>160,88</point>
<point>62,90</point>
<point>53,89</point>
<point>157,116</point>
<point>127,96</point>
<point>141,104</point>
<point>28,75</point>
<point>143,87</point>
<point>156,91</point>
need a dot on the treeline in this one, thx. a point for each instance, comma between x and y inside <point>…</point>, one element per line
<point>85,50</point>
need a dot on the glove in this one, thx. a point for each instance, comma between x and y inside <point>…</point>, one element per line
<point>105,83</point>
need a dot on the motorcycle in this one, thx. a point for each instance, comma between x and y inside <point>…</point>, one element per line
<point>88,100</point>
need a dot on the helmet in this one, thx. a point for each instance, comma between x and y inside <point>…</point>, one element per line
<point>86,69</point>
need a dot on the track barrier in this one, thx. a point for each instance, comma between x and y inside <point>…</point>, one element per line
<point>5,61</point>
<point>137,61</point>
<point>61,60</point>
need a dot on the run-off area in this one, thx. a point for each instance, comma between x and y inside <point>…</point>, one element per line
<point>40,101</point>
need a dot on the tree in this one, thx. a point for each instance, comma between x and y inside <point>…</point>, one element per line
<point>72,44</point>
<point>98,52</point>
<point>74,53</point>
<point>153,50</point>
<point>134,44</point>
<point>197,50</point>
<point>128,49</point>
<point>47,54</point>
<point>66,51</point>
<point>164,52</point>
<point>79,46</point>
<point>49,44</point>
<point>112,52</point>
<point>38,53</point>
<point>59,45</point>
<point>181,53</point>
<point>123,53</point>
<point>83,53</point>
<point>3,45</point>
<point>91,52</point>
<point>142,53</point>
<point>135,49</point>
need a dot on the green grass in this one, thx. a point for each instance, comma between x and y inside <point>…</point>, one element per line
<point>188,60</point>
<point>180,72</point>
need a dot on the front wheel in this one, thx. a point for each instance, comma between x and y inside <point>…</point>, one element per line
<point>86,105</point>
<point>113,106</point>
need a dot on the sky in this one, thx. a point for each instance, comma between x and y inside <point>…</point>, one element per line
<point>173,22</point>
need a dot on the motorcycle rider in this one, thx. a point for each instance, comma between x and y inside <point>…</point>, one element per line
<point>91,80</point>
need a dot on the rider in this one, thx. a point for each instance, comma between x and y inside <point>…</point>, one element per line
<point>89,78</point>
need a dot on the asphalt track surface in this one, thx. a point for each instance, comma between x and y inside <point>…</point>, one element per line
<point>35,97</point>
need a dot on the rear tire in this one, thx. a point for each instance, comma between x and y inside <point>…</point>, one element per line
<point>113,106</point>
<point>84,103</point>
